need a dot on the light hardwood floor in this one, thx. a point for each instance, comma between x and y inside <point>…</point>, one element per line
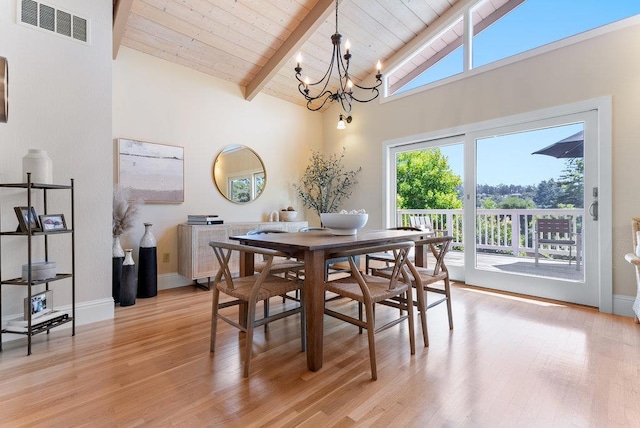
<point>510,361</point>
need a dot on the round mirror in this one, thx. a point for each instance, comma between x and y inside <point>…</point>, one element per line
<point>4,89</point>
<point>239,174</point>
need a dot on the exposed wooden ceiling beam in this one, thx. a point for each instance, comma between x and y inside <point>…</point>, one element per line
<point>314,19</point>
<point>121,10</point>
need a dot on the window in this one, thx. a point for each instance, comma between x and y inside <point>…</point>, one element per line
<point>502,29</point>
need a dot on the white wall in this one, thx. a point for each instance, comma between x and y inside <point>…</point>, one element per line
<point>603,66</point>
<point>60,101</point>
<point>161,102</point>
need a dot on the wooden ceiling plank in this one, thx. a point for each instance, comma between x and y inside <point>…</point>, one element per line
<point>220,23</point>
<point>121,10</point>
<point>204,52</point>
<point>294,42</point>
<point>197,30</point>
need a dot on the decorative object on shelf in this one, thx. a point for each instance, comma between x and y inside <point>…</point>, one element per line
<point>129,286</point>
<point>147,264</point>
<point>39,304</point>
<point>4,89</point>
<point>53,222</point>
<point>288,214</point>
<point>274,216</point>
<point>39,164</point>
<point>153,172</point>
<point>116,268</point>
<point>124,216</point>
<point>344,93</point>
<point>40,271</point>
<point>204,219</point>
<point>325,183</point>
<point>344,223</point>
<point>27,219</point>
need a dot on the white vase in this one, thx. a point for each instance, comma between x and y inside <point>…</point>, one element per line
<point>38,163</point>
<point>116,248</point>
<point>638,246</point>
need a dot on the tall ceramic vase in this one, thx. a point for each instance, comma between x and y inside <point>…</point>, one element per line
<point>38,163</point>
<point>147,264</point>
<point>129,285</point>
<point>116,272</point>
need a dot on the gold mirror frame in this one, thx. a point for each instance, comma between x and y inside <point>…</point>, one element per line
<point>239,174</point>
<point>4,90</point>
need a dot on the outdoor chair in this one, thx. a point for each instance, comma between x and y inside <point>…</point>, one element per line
<point>434,280</point>
<point>249,290</point>
<point>368,290</point>
<point>556,232</point>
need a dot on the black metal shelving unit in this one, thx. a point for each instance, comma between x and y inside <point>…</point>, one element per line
<point>33,328</point>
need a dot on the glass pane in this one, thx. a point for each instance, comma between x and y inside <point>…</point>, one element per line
<point>448,66</point>
<point>537,22</point>
<point>529,219</point>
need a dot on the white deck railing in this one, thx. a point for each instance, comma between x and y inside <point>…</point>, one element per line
<point>497,228</point>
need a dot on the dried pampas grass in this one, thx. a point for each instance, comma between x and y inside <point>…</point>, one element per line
<point>124,211</point>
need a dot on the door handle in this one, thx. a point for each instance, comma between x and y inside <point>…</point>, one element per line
<point>593,210</point>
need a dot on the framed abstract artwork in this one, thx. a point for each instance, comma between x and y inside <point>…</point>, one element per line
<point>152,172</point>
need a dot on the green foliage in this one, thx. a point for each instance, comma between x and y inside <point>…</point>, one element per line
<point>426,181</point>
<point>516,202</point>
<point>572,184</point>
<point>325,183</point>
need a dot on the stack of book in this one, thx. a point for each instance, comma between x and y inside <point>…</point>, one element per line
<point>204,219</point>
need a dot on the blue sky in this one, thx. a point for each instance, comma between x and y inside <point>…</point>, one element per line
<point>534,23</point>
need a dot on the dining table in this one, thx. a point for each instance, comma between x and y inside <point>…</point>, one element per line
<point>314,248</point>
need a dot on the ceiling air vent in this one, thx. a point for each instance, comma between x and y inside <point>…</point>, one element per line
<point>44,17</point>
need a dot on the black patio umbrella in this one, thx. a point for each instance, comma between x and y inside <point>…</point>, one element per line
<point>570,147</point>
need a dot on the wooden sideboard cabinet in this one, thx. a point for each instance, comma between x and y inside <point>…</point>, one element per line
<point>195,257</point>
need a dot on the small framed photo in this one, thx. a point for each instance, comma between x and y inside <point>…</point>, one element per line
<point>53,222</point>
<point>40,304</point>
<point>27,218</point>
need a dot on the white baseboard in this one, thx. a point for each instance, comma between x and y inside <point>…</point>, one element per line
<point>172,280</point>
<point>86,313</point>
<point>623,305</point>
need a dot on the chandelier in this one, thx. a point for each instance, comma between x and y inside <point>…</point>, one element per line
<point>318,94</point>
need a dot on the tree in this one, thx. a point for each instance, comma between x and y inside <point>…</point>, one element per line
<point>515,202</point>
<point>572,184</point>
<point>546,194</point>
<point>426,181</point>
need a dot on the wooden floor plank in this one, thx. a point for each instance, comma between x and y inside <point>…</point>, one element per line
<point>510,361</point>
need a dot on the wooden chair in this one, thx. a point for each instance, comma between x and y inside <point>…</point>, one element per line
<point>635,261</point>
<point>368,290</point>
<point>281,265</point>
<point>556,231</point>
<point>386,257</point>
<point>330,265</point>
<point>285,266</point>
<point>428,280</point>
<point>248,290</point>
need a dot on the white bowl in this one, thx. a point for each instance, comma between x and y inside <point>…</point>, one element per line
<point>288,215</point>
<point>343,224</point>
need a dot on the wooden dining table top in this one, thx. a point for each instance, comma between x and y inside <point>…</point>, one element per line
<point>324,239</point>
<point>315,247</point>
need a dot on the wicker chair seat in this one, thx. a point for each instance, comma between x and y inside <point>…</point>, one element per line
<point>378,288</point>
<point>272,286</point>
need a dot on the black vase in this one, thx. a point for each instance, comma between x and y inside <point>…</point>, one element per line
<point>147,265</point>
<point>116,279</point>
<point>129,285</point>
